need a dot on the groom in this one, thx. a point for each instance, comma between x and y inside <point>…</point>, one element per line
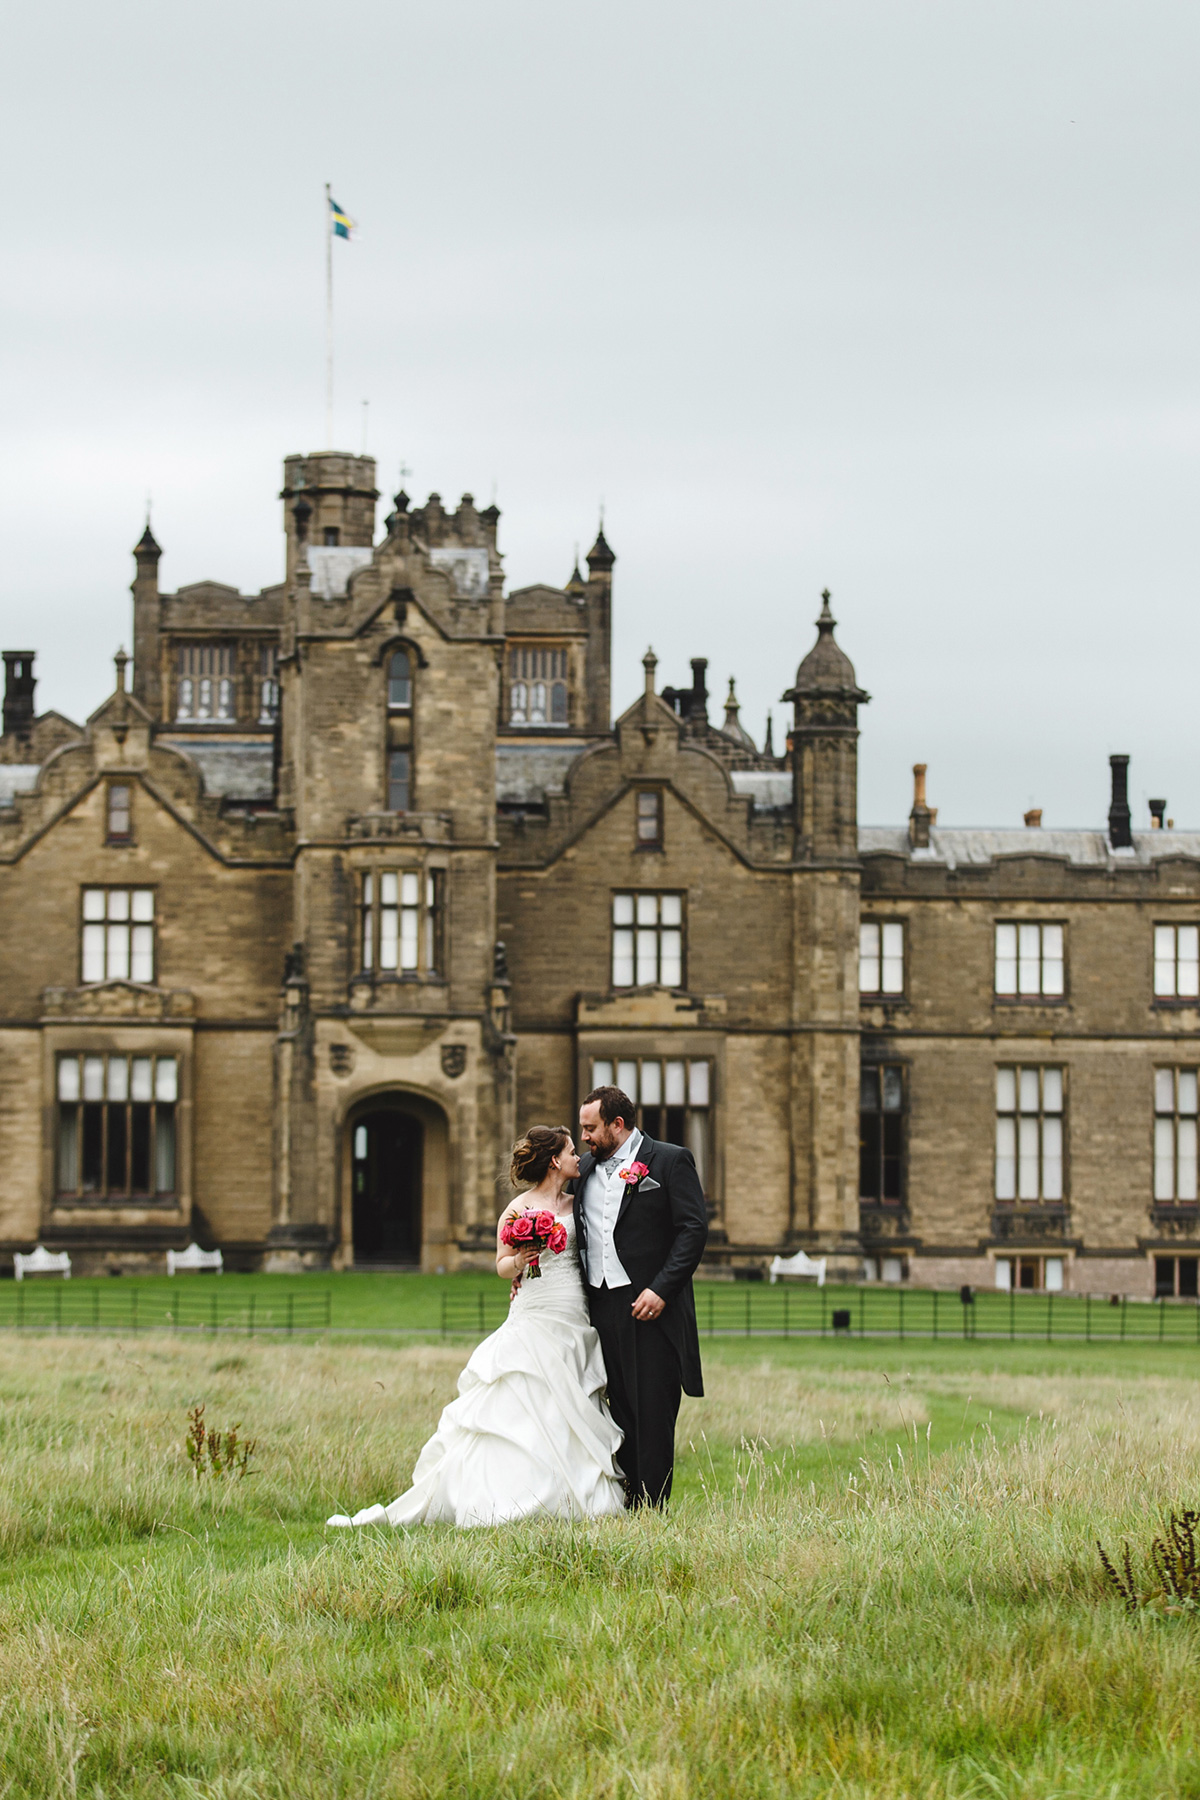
<point>641,1226</point>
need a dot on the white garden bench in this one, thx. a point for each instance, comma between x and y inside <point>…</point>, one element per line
<point>193,1259</point>
<point>42,1262</point>
<point>800,1264</point>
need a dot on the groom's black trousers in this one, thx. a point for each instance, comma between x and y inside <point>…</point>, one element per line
<point>644,1389</point>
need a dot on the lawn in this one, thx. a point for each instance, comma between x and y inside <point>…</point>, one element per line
<point>879,1579</point>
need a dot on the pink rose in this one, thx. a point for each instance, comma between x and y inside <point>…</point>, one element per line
<point>558,1239</point>
<point>522,1229</point>
<point>544,1224</point>
<point>633,1174</point>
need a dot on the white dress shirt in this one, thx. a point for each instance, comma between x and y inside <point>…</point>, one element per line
<point>601,1203</point>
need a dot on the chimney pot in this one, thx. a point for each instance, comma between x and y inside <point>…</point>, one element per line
<point>1158,809</point>
<point>1033,818</point>
<point>923,817</point>
<point>19,685</point>
<point>1120,824</point>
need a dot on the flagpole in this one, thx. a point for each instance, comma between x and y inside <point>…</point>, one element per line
<point>328,318</point>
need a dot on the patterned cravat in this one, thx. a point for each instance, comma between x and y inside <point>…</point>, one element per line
<point>610,1165</point>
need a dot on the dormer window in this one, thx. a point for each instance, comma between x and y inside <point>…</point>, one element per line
<point>400,682</point>
<point>537,685</point>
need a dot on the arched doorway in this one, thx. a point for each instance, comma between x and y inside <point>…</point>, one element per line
<point>387,1156</point>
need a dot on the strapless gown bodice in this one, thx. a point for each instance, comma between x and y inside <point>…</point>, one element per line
<point>530,1432</point>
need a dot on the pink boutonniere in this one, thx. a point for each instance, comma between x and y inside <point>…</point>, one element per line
<point>633,1174</point>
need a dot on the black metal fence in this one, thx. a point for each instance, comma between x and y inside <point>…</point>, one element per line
<point>751,1310</point>
<point>61,1306</point>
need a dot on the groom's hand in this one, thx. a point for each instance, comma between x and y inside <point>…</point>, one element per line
<point>647,1305</point>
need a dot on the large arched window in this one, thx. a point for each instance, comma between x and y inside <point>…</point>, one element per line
<point>400,682</point>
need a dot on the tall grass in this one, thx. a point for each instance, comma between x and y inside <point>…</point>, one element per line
<point>871,1584</point>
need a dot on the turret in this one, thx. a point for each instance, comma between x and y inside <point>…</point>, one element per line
<point>147,675</point>
<point>328,502</point>
<point>826,699</point>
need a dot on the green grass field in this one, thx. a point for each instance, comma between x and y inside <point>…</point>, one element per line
<point>878,1579</point>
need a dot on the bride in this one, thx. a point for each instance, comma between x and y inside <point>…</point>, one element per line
<point>530,1431</point>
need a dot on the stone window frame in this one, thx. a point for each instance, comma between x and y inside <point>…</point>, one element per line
<point>1014,996</point>
<point>522,681</point>
<point>383,922</point>
<point>1046,1280</point>
<point>636,926</point>
<point>399,719</point>
<point>649,822</point>
<point>200,664</point>
<point>1176,1130</point>
<point>74,1070</point>
<point>1181,1286</point>
<point>118,813</point>
<point>1158,963</point>
<point>91,921</point>
<point>883,923</point>
<point>880,1067</point>
<point>1012,1136</point>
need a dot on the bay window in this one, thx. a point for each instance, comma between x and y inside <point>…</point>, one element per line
<point>673,1097</point>
<point>115,1136</point>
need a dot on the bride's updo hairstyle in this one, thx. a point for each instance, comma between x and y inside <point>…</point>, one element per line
<point>533,1154</point>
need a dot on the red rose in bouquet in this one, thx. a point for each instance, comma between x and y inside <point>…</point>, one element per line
<point>535,1230</point>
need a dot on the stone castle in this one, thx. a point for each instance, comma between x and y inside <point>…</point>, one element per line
<point>356,878</point>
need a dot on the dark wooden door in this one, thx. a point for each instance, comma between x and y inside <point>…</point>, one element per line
<point>386,1149</point>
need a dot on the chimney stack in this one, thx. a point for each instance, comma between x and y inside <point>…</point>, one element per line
<point>1120,825</point>
<point>1158,809</point>
<point>922,818</point>
<point>19,684</point>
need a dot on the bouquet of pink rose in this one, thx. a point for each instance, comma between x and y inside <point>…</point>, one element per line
<point>534,1230</point>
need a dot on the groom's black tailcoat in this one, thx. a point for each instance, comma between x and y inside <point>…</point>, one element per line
<point>659,1238</point>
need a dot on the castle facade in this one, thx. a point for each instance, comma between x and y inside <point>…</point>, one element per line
<point>356,877</point>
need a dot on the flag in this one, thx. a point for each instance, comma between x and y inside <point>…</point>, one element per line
<point>343,224</point>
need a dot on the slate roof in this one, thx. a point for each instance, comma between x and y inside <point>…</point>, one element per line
<point>953,846</point>
<point>234,768</point>
<point>17,778</point>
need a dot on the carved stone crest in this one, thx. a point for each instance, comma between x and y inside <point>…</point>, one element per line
<point>341,1059</point>
<point>454,1060</point>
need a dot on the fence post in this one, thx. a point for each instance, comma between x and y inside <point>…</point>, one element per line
<point>58,1294</point>
<point>95,1308</point>
<point>1087,1318</point>
<point>213,1309</point>
<point>862,1303</point>
<point>252,1300</point>
<point>20,1306</point>
<point>901,1297</point>
<point>134,1310</point>
<point>711,1326</point>
<point>1012,1316</point>
<point>935,1301</point>
<point>328,1308</point>
<point>291,1312</point>
<point>1124,1304</point>
<point>786,1298</point>
<point>747,1309</point>
<point>824,1304</point>
<point>479,1297</point>
<point>1162,1318</point>
<point>1049,1316</point>
<point>445,1297</point>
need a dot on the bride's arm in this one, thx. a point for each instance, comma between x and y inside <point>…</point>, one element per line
<point>510,1264</point>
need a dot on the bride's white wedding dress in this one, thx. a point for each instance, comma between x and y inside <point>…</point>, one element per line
<point>530,1432</point>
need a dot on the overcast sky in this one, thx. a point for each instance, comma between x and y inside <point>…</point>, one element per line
<point>900,297</point>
